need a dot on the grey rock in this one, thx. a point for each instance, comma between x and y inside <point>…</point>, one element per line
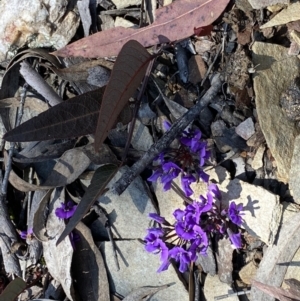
<point>257,4</point>
<point>274,75</point>
<point>245,129</point>
<point>141,138</point>
<point>125,3</point>
<point>224,260</point>
<point>138,268</point>
<point>248,272</point>
<point>240,170</point>
<point>230,140</point>
<point>128,212</point>
<point>294,179</point>
<point>213,287</point>
<point>258,158</point>
<point>218,127</point>
<point>208,263</point>
<point>262,218</point>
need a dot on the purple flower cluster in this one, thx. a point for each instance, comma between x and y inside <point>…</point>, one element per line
<point>188,236</point>
<point>188,160</point>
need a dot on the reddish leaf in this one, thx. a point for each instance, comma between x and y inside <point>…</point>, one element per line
<point>74,117</point>
<point>203,31</point>
<point>127,74</point>
<point>173,22</point>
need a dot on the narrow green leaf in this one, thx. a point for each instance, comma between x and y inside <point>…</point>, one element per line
<point>13,290</point>
<point>127,74</point>
<point>101,178</point>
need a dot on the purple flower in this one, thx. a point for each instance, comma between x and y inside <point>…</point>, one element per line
<point>74,238</point>
<point>203,154</point>
<point>158,246</point>
<point>193,140</point>
<point>65,211</point>
<point>26,233</point>
<point>186,181</point>
<point>167,125</point>
<point>159,219</point>
<point>214,189</point>
<point>195,210</point>
<point>171,171</point>
<point>158,173</point>
<point>200,237</point>
<point>182,256</point>
<point>166,173</point>
<point>234,213</point>
<point>235,239</point>
<point>184,230</point>
<point>179,215</point>
<point>206,203</point>
<point>203,175</point>
<point>164,266</point>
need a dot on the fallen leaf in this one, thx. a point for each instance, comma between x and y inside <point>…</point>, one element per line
<point>276,292</point>
<point>82,71</point>
<point>144,291</point>
<point>127,74</point>
<point>173,22</point>
<point>19,183</point>
<point>39,218</point>
<point>68,168</point>
<point>100,179</point>
<point>91,286</point>
<point>274,264</point>
<point>13,289</point>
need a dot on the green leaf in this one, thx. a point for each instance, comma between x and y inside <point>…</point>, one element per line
<point>101,178</point>
<point>13,290</point>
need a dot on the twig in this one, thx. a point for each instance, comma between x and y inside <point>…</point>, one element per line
<point>12,264</point>
<point>210,67</point>
<point>177,127</point>
<point>39,84</point>
<point>137,106</point>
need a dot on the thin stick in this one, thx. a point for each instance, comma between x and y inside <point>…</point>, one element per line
<point>137,106</point>
<point>177,127</point>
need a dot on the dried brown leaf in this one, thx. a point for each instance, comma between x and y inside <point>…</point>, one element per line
<point>91,286</point>
<point>100,179</point>
<point>81,71</point>
<point>39,218</point>
<point>19,183</point>
<point>127,74</point>
<point>276,292</point>
<point>173,22</point>
<point>68,168</point>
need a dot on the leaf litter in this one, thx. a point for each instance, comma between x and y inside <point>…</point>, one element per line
<point>92,108</point>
